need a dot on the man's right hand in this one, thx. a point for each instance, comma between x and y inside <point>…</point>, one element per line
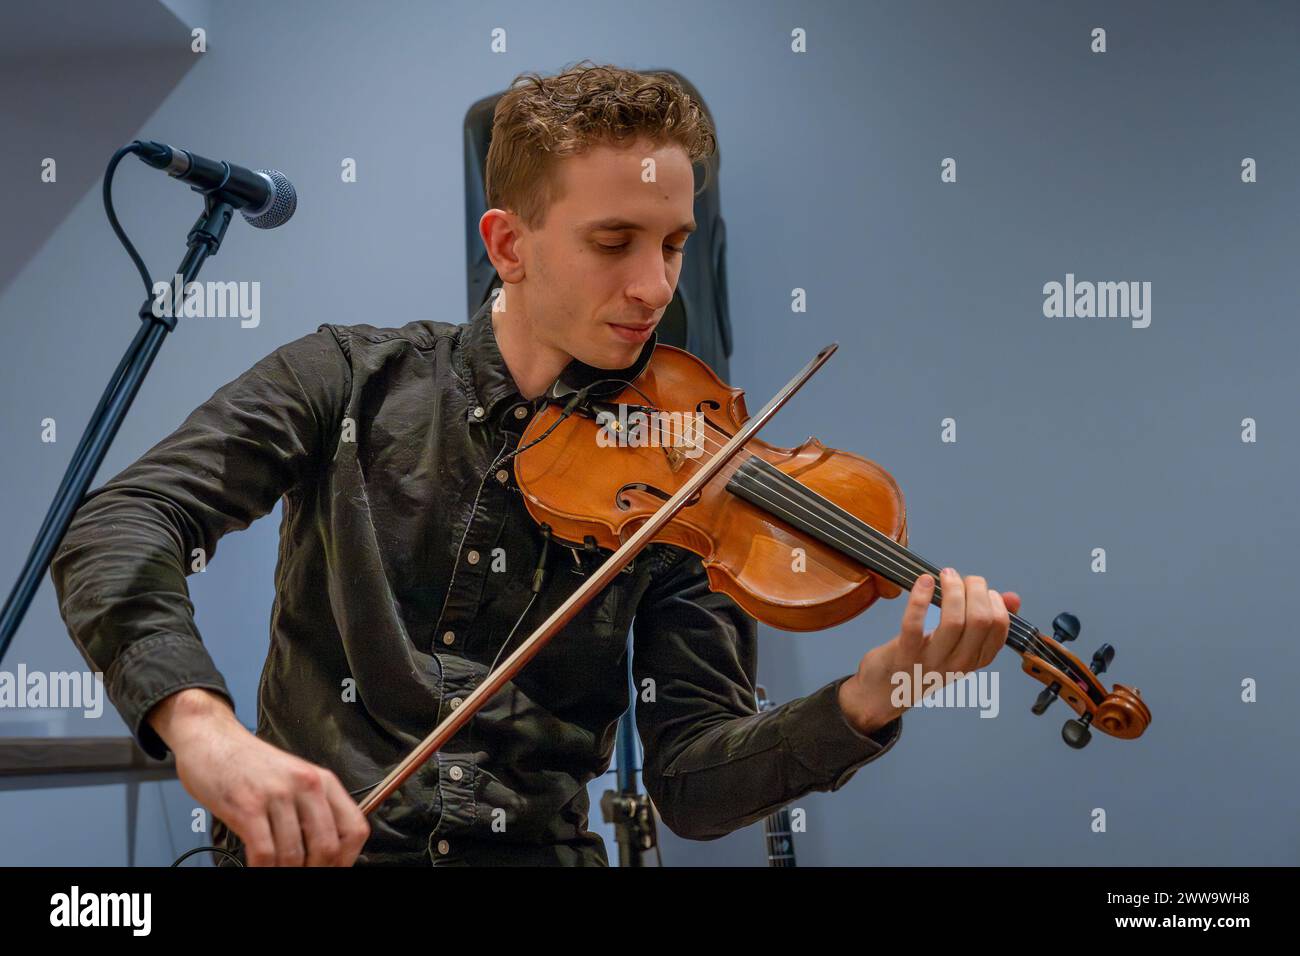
<point>288,812</point>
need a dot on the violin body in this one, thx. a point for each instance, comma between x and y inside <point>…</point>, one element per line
<point>776,575</point>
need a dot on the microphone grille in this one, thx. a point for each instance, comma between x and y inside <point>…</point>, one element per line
<point>284,201</point>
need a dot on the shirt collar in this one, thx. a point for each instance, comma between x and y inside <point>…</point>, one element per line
<point>490,377</point>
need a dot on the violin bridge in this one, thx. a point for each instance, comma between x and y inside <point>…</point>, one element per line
<point>681,435</point>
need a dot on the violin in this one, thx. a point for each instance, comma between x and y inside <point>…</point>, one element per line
<point>800,538</point>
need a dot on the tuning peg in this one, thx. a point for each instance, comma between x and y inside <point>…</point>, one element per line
<point>1076,732</point>
<point>1045,698</point>
<point>1065,627</point>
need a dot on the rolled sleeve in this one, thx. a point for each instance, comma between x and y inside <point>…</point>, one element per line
<point>821,738</point>
<point>152,669</point>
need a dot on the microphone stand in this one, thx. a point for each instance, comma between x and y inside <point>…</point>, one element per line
<point>204,240</point>
<point>627,808</point>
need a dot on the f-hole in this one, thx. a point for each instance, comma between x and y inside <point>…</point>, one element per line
<point>624,503</point>
<point>711,406</point>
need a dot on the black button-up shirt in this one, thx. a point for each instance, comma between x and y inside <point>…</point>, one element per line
<point>406,559</point>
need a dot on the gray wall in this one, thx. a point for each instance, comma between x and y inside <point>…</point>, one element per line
<point>1073,434</point>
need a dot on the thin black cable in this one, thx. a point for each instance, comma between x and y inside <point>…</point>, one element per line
<point>85,445</point>
<point>130,359</point>
<point>112,215</point>
<point>214,849</point>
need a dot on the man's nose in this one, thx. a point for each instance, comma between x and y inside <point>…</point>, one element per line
<point>653,285</point>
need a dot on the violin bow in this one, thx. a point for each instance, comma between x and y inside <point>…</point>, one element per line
<point>562,615</point>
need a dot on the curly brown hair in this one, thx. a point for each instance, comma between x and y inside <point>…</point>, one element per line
<point>541,118</point>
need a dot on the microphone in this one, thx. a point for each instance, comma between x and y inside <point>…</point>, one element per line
<point>264,197</point>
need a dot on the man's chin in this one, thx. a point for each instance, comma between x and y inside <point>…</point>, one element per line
<point>615,357</point>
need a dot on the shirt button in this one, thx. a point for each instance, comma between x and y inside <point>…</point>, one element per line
<point>444,847</point>
<point>456,773</point>
<point>503,476</point>
<point>455,702</point>
<point>449,637</point>
<point>478,411</point>
<point>521,412</point>
<point>472,557</point>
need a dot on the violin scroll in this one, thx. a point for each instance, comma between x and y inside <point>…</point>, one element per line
<point>1120,712</point>
<point>1123,713</point>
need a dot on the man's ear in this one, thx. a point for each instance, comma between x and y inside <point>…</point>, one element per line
<point>501,230</point>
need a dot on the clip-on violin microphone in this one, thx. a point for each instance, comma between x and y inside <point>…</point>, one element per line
<point>581,387</point>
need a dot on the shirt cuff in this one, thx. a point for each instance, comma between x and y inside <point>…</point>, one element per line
<point>821,738</point>
<point>152,669</point>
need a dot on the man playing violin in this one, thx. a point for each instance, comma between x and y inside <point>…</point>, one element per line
<point>408,561</point>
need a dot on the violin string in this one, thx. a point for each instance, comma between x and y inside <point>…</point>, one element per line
<point>901,557</point>
<point>743,455</point>
<point>1022,636</point>
<point>895,554</point>
<point>827,513</point>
